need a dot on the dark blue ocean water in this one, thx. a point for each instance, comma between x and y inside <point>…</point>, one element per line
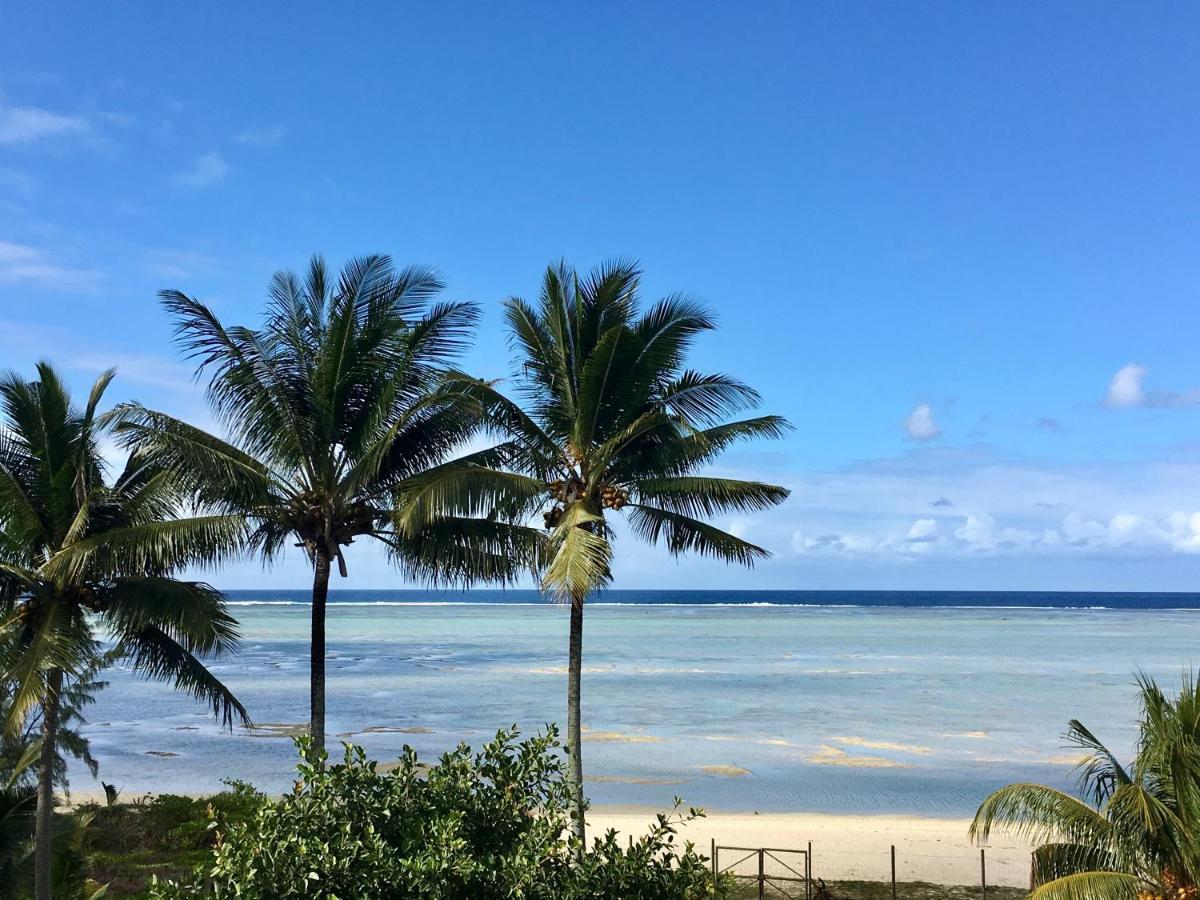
<point>902,599</point>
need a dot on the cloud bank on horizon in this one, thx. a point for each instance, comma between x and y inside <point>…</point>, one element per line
<point>972,296</point>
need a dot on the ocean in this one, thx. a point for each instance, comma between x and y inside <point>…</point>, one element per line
<point>823,701</point>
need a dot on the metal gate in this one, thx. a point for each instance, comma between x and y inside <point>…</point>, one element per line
<point>777,872</point>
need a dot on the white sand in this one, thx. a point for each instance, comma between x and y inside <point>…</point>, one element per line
<point>844,846</point>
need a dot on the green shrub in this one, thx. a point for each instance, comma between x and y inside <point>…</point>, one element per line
<point>480,826</point>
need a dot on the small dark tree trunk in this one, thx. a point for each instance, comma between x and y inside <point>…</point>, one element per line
<point>43,842</point>
<point>574,729</point>
<point>320,595</point>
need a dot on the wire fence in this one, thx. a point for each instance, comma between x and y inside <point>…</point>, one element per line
<point>803,873</point>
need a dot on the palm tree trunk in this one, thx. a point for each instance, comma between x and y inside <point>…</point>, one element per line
<point>43,841</point>
<point>574,730</point>
<point>320,594</point>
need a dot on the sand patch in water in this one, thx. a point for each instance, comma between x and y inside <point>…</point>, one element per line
<point>389,729</point>
<point>725,771</point>
<point>1065,759</point>
<point>834,756</point>
<point>881,745</point>
<point>275,730</point>
<point>619,737</point>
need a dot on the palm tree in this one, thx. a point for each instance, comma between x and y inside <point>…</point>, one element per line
<point>1134,831</point>
<point>77,553</point>
<point>330,405</point>
<point>610,422</point>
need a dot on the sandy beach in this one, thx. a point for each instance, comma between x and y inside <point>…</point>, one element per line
<point>846,846</point>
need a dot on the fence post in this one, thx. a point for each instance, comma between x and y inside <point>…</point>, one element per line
<point>983,871</point>
<point>713,859</point>
<point>762,881</point>
<point>893,872</point>
<point>808,873</point>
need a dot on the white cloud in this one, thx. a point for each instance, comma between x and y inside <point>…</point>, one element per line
<point>1127,389</point>
<point>22,264</point>
<point>1011,508</point>
<point>262,137</point>
<point>923,530</point>
<point>978,531</point>
<point>920,424</point>
<point>208,170</point>
<point>25,124</point>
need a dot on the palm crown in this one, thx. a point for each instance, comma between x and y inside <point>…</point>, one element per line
<point>328,405</point>
<point>75,549</point>
<point>609,420</point>
<point>1134,831</point>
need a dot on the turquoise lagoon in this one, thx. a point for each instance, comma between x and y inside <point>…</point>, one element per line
<point>813,702</point>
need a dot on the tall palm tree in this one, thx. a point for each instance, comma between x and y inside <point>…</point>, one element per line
<point>609,421</point>
<point>78,554</point>
<point>1133,833</point>
<point>329,406</point>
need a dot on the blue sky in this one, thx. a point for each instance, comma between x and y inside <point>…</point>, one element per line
<point>955,243</point>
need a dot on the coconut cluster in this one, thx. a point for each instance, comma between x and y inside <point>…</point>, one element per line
<point>562,491</point>
<point>613,497</point>
<point>1170,888</point>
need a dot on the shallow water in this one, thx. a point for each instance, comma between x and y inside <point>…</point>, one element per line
<point>825,708</point>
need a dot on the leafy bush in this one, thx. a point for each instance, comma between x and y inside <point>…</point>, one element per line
<point>487,825</point>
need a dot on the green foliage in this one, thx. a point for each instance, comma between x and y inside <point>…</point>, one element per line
<point>166,835</point>
<point>328,405</point>
<point>1134,831</point>
<point>492,824</point>
<point>608,419</point>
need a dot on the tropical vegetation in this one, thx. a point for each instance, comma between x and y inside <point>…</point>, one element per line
<point>1133,832</point>
<point>475,826</point>
<point>341,417</point>
<point>83,557</point>
<point>607,423</point>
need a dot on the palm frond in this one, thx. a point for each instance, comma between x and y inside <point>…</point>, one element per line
<point>1101,772</point>
<point>1041,814</point>
<point>1090,886</point>
<point>455,550</point>
<point>217,472</point>
<point>192,613</point>
<point>683,534</point>
<point>469,486</point>
<point>154,653</point>
<point>156,548</point>
<point>695,495</point>
<point>707,399</point>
